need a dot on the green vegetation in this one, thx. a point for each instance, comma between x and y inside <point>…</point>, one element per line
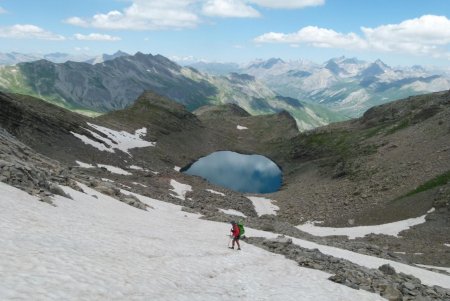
<point>403,124</point>
<point>435,182</point>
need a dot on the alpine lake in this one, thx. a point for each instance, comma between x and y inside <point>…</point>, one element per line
<point>238,172</point>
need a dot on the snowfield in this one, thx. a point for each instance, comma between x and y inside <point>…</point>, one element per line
<point>392,229</point>
<point>96,248</point>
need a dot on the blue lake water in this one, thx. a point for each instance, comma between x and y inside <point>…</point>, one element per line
<point>242,173</point>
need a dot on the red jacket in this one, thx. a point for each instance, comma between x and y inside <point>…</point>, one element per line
<point>235,230</point>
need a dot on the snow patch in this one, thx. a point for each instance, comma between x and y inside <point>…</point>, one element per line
<point>177,168</point>
<point>179,189</point>
<point>445,269</point>
<point>241,128</point>
<point>135,167</point>
<point>263,205</point>
<point>392,229</point>
<point>84,165</point>
<point>215,192</point>
<point>141,132</point>
<point>114,169</point>
<point>107,180</point>
<point>447,245</point>
<point>232,212</point>
<point>122,140</point>
<point>96,144</point>
<point>139,184</point>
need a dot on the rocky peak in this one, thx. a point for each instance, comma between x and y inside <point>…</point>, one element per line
<point>237,77</point>
<point>150,98</point>
<point>229,109</point>
<point>268,64</point>
<point>333,67</point>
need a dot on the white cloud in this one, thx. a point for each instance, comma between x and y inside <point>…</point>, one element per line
<point>229,8</point>
<point>96,37</point>
<point>427,35</point>
<point>77,21</point>
<point>315,36</point>
<point>424,35</point>
<point>289,4</point>
<point>145,15</point>
<point>28,31</point>
<point>177,14</point>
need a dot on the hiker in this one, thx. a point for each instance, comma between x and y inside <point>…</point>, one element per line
<point>235,233</point>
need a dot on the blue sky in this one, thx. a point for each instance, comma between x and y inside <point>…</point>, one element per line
<point>400,32</point>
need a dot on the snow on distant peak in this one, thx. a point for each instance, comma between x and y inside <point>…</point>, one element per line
<point>239,127</point>
<point>179,189</point>
<point>263,205</point>
<point>122,140</point>
<point>353,232</point>
<point>114,169</point>
<point>177,168</point>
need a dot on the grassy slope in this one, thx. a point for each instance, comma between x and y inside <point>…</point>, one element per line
<point>13,80</point>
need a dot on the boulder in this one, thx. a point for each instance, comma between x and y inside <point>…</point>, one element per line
<point>392,293</point>
<point>387,269</point>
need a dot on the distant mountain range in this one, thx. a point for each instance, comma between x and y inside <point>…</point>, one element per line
<point>346,85</point>
<point>12,58</point>
<point>114,82</point>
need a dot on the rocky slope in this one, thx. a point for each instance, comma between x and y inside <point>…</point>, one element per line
<point>358,172</point>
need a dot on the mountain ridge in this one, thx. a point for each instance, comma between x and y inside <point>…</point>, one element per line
<point>113,84</point>
<point>346,85</point>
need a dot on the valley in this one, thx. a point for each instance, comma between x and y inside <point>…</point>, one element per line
<point>386,172</point>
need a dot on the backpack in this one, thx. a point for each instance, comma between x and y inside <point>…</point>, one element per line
<point>241,229</point>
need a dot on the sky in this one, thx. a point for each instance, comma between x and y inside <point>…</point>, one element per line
<point>399,32</point>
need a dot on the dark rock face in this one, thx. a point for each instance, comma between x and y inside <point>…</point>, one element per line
<point>23,168</point>
<point>114,84</point>
<point>39,124</point>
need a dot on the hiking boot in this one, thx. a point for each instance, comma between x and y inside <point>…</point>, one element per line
<point>230,248</point>
<point>239,249</point>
